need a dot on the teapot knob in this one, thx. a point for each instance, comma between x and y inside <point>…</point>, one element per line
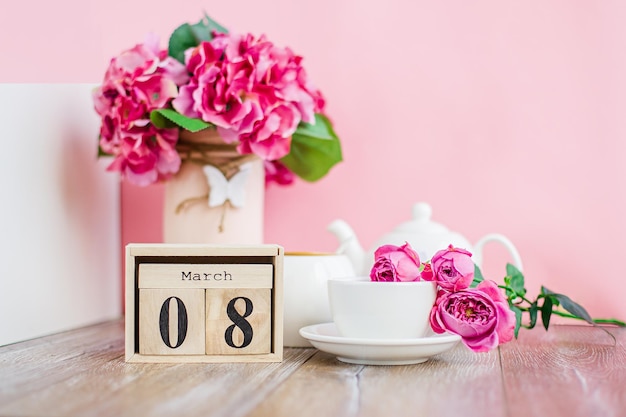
<point>422,212</point>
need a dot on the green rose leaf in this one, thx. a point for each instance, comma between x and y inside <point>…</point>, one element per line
<point>570,306</point>
<point>188,36</point>
<point>315,149</point>
<point>518,317</point>
<point>166,118</point>
<point>577,311</point>
<point>546,311</point>
<point>478,277</point>
<point>552,304</point>
<point>516,279</point>
<point>532,313</point>
<point>510,294</point>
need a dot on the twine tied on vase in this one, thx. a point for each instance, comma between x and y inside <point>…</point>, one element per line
<point>225,169</point>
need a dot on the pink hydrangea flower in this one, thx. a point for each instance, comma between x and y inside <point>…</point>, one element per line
<point>254,92</point>
<point>149,159</point>
<point>452,269</point>
<point>395,263</point>
<point>276,172</point>
<point>136,82</point>
<point>481,316</point>
<point>271,138</point>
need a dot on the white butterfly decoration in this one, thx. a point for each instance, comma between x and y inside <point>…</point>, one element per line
<point>223,190</point>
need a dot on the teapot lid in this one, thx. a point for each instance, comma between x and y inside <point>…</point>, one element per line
<point>421,222</point>
<point>425,236</point>
<point>428,237</point>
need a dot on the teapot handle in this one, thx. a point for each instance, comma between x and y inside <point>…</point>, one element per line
<point>504,241</point>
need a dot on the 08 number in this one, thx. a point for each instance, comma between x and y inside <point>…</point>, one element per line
<point>238,320</point>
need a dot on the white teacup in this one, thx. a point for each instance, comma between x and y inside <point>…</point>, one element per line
<point>306,291</point>
<point>365,309</point>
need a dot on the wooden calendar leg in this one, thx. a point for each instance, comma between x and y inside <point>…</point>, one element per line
<point>238,321</point>
<point>171,321</point>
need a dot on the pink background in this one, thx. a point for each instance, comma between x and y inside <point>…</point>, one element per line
<point>504,116</point>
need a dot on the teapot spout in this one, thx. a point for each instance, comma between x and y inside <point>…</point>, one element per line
<point>349,245</point>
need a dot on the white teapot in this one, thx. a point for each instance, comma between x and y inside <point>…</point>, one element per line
<point>305,291</point>
<point>425,236</point>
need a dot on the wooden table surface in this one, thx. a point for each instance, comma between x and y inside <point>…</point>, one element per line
<point>568,371</point>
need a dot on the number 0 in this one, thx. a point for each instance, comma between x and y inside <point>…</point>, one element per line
<point>164,322</point>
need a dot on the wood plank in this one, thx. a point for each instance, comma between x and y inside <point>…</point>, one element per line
<point>84,373</point>
<point>171,321</point>
<point>131,316</point>
<point>251,334</point>
<point>121,389</point>
<point>322,386</point>
<point>200,249</point>
<point>30,366</point>
<point>568,371</point>
<point>571,370</point>
<point>455,383</point>
<point>206,276</point>
<point>278,311</point>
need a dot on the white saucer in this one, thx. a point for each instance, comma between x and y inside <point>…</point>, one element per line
<point>326,338</point>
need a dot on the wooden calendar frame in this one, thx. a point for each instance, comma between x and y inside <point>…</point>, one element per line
<point>202,254</point>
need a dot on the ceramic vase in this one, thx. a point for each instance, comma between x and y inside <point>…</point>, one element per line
<point>187,214</point>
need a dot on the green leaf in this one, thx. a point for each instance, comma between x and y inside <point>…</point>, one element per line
<point>532,313</point>
<point>189,36</point>
<point>182,39</point>
<point>164,118</point>
<point>516,281</point>
<point>576,310</point>
<point>518,317</point>
<point>478,274</point>
<point>102,153</point>
<point>478,277</point>
<point>546,312</point>
<point>321,129</point>
<point>208,25</point>
<point>315,149</point>
<point>570,306</point>
<point>510,294</point>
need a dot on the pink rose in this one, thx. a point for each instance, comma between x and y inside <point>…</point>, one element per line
<point>453,268</point>
<point>395,263</point>
<point>427,272</point>
<point>481,316</point>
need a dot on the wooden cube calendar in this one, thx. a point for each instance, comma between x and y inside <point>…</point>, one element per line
<point>204,303</point>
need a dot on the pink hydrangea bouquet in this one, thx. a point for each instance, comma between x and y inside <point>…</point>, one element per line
<point>255,94</point>
<point>482,312</point>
